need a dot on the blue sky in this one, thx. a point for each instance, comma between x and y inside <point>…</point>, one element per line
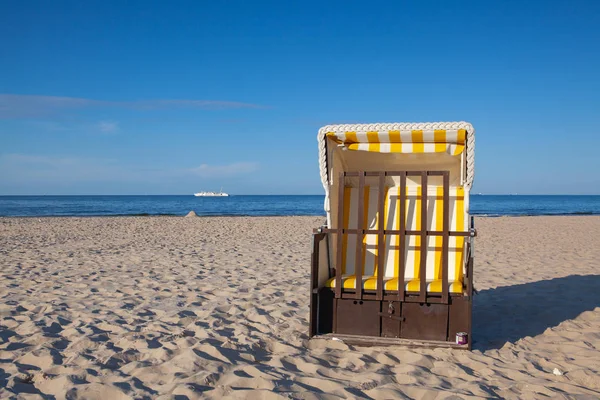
<point>149,97</point>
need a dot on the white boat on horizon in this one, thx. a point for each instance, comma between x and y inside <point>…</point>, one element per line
<point>212,194</point>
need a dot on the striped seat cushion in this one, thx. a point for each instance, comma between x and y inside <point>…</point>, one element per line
<point>370,283</point>
<point>412,252</point>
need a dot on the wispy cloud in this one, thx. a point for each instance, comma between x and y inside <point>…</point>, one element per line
<point>50,126</point>
<point>29,159</point>
<point>211,171</point>
<point>202,104</point>
<point>34,168</point>
<point>31,106</point>
<point>108,126</point>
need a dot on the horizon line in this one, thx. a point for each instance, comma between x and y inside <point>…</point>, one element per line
<point>287,194</point>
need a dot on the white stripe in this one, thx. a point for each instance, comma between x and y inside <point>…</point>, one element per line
<point>351,244</point>
<point>371,240</point>
<point>429,147</point>
<point>406,136</point>
<point>341,136</point>
<point>431,224</point>
<point>452,239</point>
<point>391,241</point>
<point>428,135</point>
<point>362,137</point>
<point>384,137</point>
<point>451,136</point>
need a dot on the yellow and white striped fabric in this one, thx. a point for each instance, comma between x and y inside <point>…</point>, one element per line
<point>451,141</point>
<point>412,252</point>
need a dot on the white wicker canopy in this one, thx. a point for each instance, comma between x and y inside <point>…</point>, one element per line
<point>400,138</point>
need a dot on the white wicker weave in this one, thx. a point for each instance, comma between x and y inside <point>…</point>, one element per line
<point>470,145</point>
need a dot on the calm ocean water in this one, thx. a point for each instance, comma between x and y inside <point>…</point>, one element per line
<point>266,205</point>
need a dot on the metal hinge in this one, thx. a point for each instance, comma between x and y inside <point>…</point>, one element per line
<point>320,229</point>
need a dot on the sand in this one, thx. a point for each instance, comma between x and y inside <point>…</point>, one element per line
<point>168,307</point>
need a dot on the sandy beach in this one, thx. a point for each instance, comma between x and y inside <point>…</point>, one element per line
<point>176,308</point>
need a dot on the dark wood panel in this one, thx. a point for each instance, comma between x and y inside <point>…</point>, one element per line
<point>325,304</point>
<point>425,321</point>
<point>358,317</point>
<point>459,318</point>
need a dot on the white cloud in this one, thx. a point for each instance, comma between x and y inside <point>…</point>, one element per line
<point>38,173</point>
<point>28,168</point>
<point>50,126</point>
<point>201,104</point>
<point>29,159</point>
<point>108,126</point>
<point>24,106</point>
<point>210,171</point>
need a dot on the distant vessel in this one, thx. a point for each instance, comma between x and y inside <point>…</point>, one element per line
<point>211,194</point>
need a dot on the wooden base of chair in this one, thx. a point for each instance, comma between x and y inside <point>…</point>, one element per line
<point>381,317</point>
<point>369,341</point>
<point>391,322</point>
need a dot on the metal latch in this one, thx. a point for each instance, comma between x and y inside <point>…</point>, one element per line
<point>390,313</point>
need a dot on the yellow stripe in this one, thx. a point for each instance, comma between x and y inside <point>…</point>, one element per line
<point>395,147</point>
<point>413,286</point>
<point>347,192</point>
<point>373,139</point>
<point>461,136</point>
<point>397,238</point>
<point>460,227</point>
<point>439,222</point>
<point>439,138</point>
<point>365,222</point>
<point>417,139</point>
<point>457,149</point>
<point>395,137</point>
<point>385,218</point>
<point>351,138</point>
<point>418,227</point>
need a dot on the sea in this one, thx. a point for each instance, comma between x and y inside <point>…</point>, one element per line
<point>275,205</point>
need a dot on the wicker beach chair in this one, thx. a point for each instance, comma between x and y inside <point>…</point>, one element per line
<point>397,203</point>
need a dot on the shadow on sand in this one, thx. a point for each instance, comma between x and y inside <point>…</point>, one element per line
<point>509,313</point>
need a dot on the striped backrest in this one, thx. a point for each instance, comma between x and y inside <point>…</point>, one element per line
<point>412,252</point>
